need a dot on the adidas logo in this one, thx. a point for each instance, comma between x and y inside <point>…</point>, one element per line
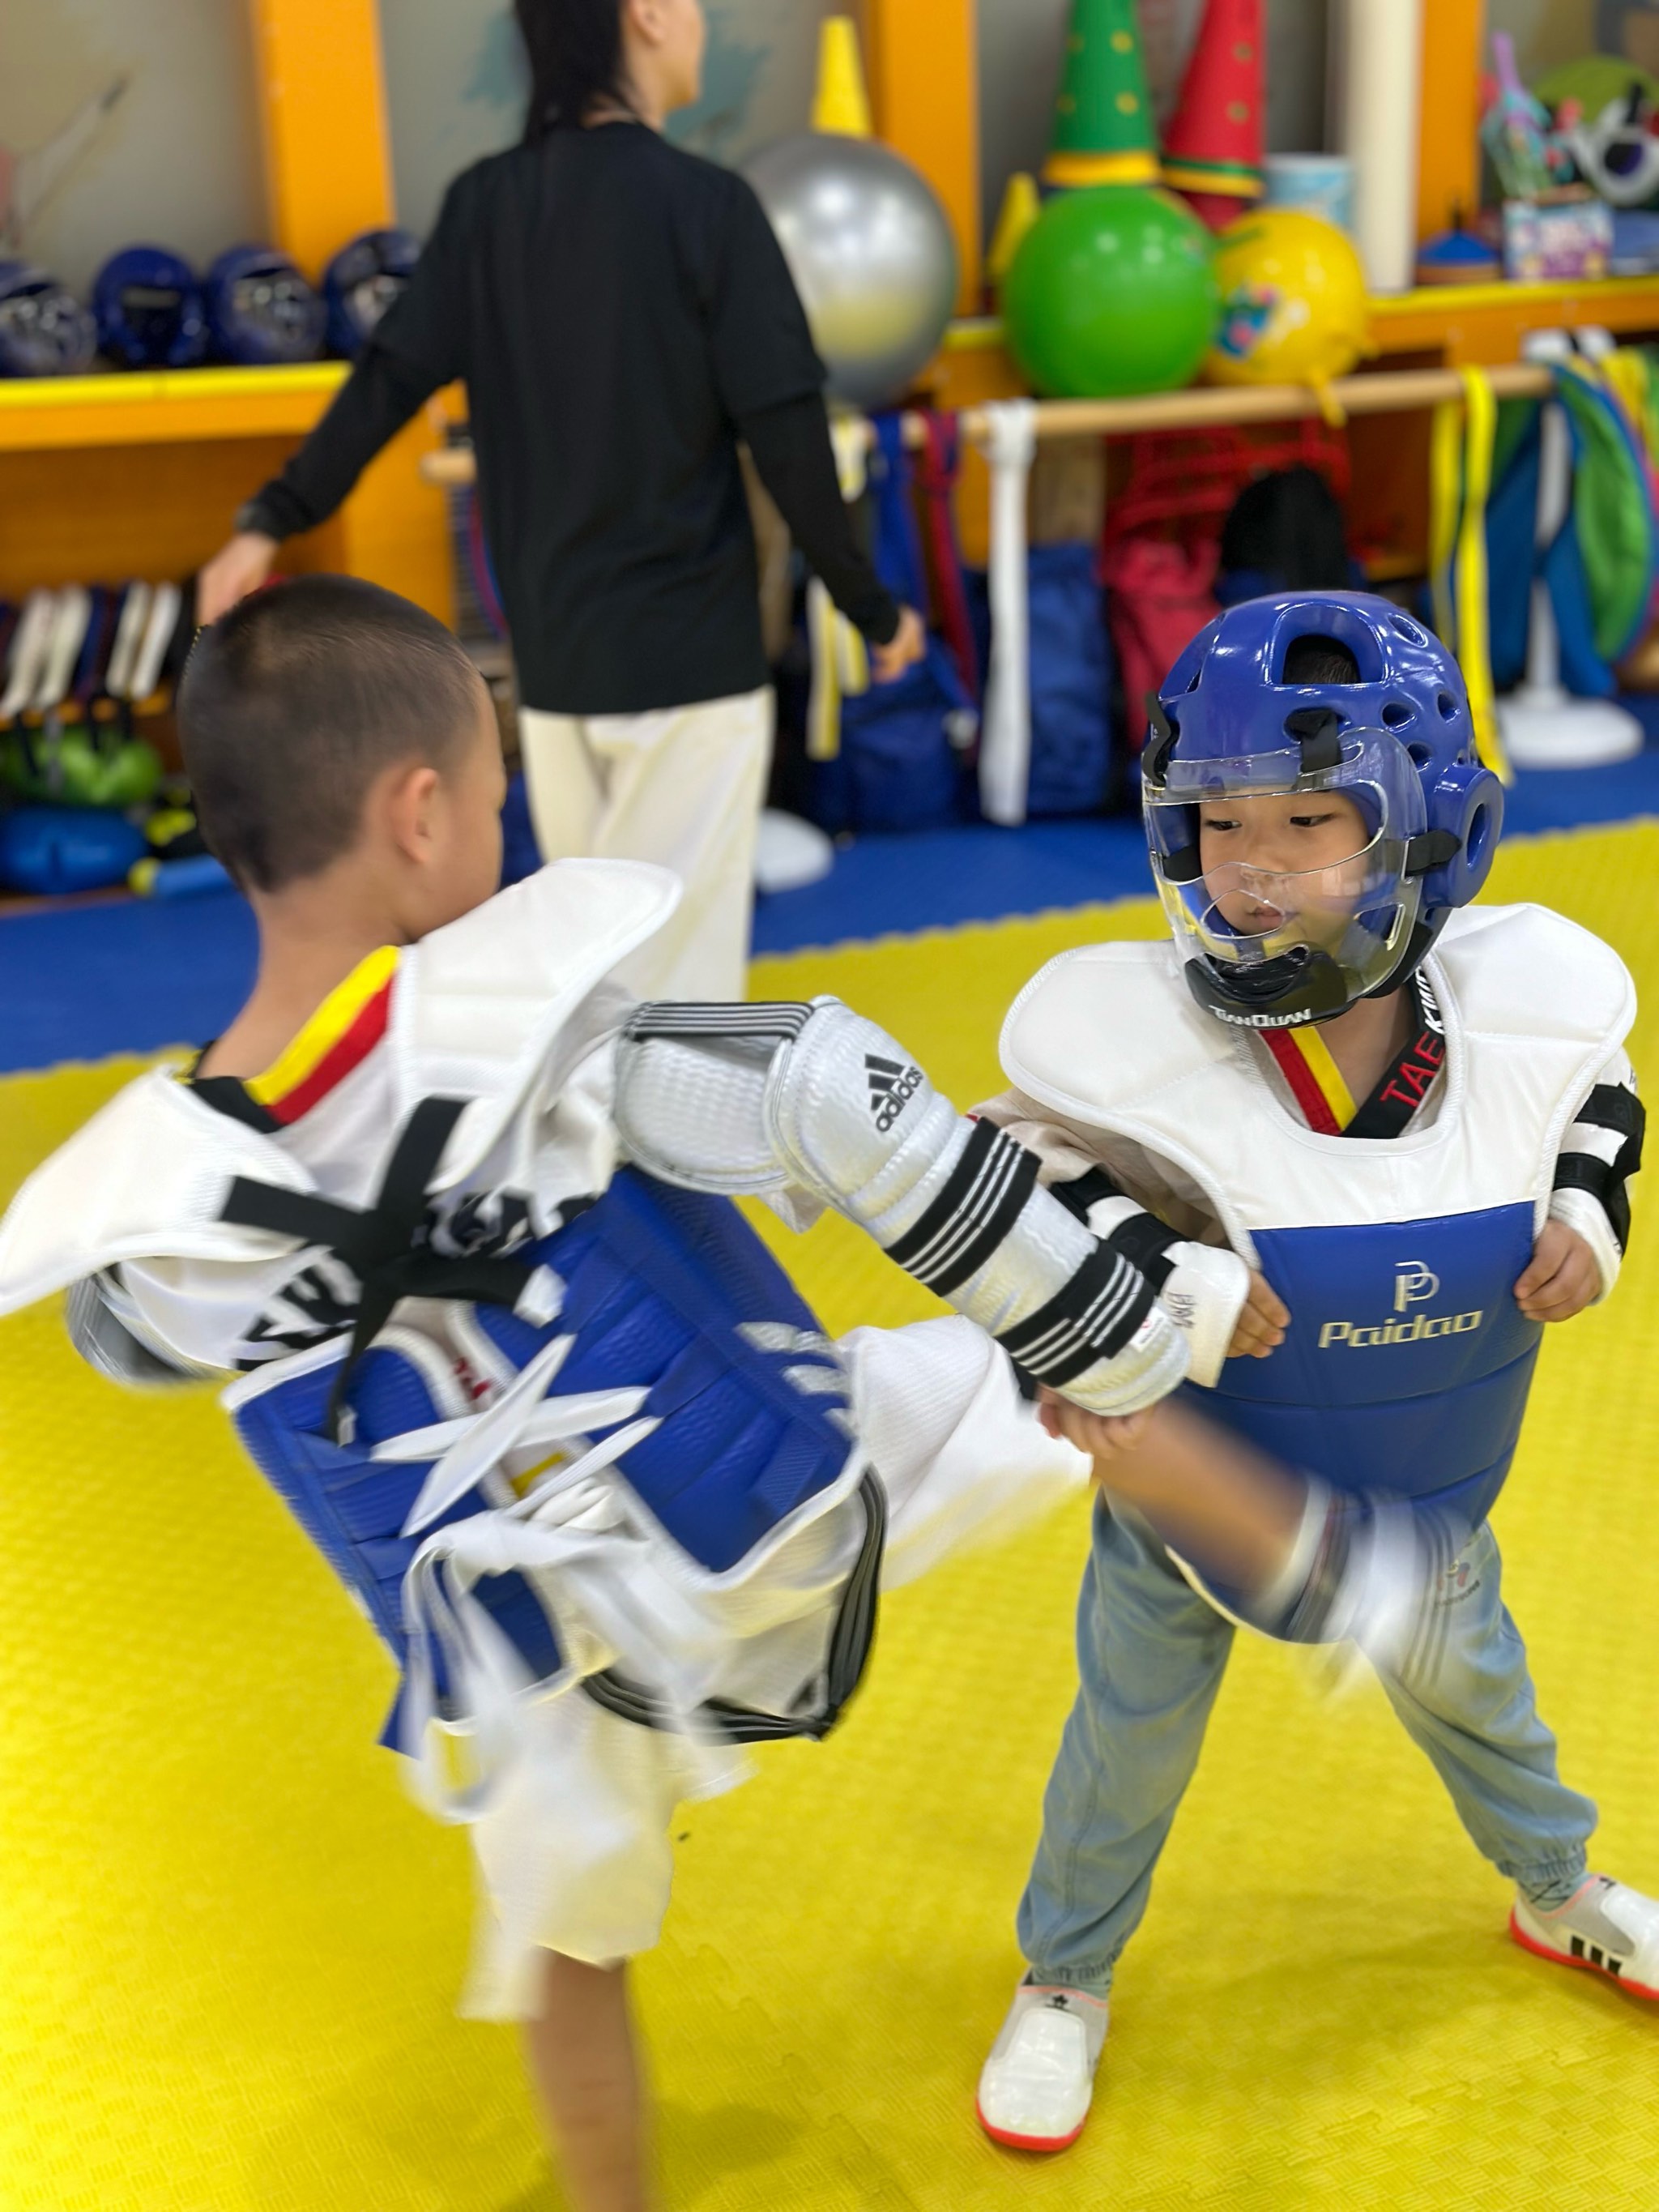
<point>892,1086</point>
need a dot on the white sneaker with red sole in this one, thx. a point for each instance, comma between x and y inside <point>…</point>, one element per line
<point>1603,1926</point>
<point>1034,2092</point>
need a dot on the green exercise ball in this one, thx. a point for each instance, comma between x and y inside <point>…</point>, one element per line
<point>1112,291</point>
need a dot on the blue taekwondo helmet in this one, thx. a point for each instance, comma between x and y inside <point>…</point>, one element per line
<point>362,282</point>
<point>1268,949</point>
<point>150,310</point>
<point>261,311</point>
<point>44,329</point>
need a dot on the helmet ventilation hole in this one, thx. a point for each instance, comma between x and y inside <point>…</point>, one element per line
<point>1397,713</point>
<point>1448,707</point>
<point>1421,756</point>
<point>1407,630</point>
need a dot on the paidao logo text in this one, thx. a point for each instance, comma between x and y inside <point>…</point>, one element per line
<point>1414,1284</point>
<point>1364,1336</point>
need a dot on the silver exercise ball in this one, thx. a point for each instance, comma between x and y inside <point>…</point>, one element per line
<point>872,254</point>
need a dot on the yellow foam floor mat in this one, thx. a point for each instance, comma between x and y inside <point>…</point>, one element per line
<point>230,1947</point>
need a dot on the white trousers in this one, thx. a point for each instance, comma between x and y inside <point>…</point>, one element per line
<point>576,1856</point>
<point>682,788</point>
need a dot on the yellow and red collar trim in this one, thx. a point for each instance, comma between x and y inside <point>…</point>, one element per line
<point>1316,1082</point>
<point>1320,1089</point>
<point>339,1036</point>
<point>344,1029</point>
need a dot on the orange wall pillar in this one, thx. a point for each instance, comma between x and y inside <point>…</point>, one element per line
<point>328,174</point>
<point>924,74</point>
<point>322,106</point>
<point>1449,150</point>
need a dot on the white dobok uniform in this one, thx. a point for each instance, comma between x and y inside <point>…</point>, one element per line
<point>509,1011</point>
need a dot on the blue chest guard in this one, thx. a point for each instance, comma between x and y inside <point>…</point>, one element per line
<point>1408,1362</point>
<point>684,1343</point>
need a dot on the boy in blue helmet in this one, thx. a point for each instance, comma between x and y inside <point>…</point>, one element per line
<point>1406,1129</point>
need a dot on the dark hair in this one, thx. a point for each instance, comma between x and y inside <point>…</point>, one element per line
<point>574,49</point>
<point>1319,660</point>
<point>296,700</point>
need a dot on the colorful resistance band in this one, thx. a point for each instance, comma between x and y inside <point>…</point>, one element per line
<point>1461,454</point>
<point>841,662</point>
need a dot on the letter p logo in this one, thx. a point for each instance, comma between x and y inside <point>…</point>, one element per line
<point>1412,1284</point>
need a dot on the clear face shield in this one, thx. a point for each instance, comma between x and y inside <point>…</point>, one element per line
<point>1287,892</point>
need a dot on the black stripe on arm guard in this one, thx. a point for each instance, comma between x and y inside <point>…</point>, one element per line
<point>1084,1191</point>
<point>776,1021</point>
<point>1141,1237</point>
<point>1091,1318</point>
<point>983,1197</point>
<point>1611,1107</point>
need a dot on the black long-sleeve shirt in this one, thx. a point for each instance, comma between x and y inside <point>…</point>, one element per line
<point>622,316</point>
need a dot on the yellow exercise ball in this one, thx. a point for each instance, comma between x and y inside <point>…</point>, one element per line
<point>1292,301</point>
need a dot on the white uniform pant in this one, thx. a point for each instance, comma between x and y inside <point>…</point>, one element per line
<point>575,1855</point>
<point>682,788</point>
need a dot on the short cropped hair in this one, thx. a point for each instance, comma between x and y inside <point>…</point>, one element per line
<point>1319,660</point>
<point>293,702</point>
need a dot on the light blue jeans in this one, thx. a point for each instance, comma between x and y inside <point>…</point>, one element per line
<point>1151,1653</point>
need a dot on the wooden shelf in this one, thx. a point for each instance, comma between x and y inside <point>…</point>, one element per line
<point>1485,324</point>
<point>177,406</point>
<point>1477,324</point>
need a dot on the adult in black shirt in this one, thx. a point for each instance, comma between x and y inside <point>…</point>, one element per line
<point>624,318</point>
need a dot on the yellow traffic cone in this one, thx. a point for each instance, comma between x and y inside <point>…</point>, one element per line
<point>1021,207</point>
<point>841,104</point>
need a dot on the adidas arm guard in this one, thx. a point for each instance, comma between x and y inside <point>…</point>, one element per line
<point>814,1099</point>
<point>1201,1287</point>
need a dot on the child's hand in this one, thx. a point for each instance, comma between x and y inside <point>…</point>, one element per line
<point>1100,1435</point>
<point>1563,1279</point>
<point>1261,1324</point>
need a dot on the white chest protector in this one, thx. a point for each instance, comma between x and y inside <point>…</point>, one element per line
<point>497,1009</point>
<point>1407,1362</point>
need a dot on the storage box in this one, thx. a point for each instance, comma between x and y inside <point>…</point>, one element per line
<point>1566,239</point>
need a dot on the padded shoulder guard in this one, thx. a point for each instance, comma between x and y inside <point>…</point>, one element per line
<point>814,1101</point>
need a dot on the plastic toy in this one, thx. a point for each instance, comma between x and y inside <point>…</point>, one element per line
<point>1102,130</point>
<point>1113,291</point>
<point>1613,148</point>
<point>1212,142</point>
<point>1293,302</point>
<point>1456,257</point>
<point>1516,132</point>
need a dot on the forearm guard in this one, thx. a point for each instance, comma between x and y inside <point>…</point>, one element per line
<point>815,1100</point>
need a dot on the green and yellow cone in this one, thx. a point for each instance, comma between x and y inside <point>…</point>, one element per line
<point>1103,116</point>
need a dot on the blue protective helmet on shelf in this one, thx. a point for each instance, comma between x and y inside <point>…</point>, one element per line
<point>261,311</point>
<point>150,310</point>
<point>44,329</point>
<point>362,282</point>
<point>1382,718</point>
